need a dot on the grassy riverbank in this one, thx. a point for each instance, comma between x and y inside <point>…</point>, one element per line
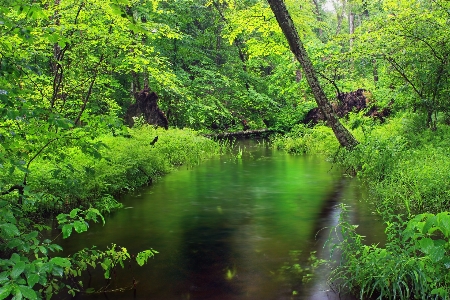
<point>406,166</point>
<point>58,183</point>
<point>78,181</point>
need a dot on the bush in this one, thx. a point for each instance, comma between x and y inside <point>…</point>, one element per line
<point>61,182</point>
<point>302,139</point>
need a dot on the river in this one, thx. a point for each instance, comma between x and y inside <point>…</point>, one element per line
<point>234,227</point>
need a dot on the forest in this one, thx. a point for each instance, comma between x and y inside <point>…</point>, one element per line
<point>98,98</point>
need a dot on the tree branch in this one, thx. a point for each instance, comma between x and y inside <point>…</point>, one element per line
<point>12,189</point>
<point>399,70</point>
<point>89,92</point>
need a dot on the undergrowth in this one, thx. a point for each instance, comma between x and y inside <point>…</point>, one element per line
<point>406,166</point>
<point>71,178</point>
<point>413,265</point>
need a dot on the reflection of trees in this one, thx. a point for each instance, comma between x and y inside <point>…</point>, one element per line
<point>206,257</point>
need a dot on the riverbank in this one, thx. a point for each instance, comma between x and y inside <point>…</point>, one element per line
<point>123,162</point>
<point>406,167</point>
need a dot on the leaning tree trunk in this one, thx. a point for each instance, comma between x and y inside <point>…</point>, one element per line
<point>344,137</point>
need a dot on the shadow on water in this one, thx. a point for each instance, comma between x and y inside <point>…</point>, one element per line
<point>206,254</point>
<point>230,228</point>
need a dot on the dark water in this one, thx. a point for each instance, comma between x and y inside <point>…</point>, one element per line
<point>230,228</point>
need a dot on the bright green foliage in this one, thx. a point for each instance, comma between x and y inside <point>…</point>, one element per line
<point>410,36</point>
<point>303,139</point>
<point>108,260</point>
<point>143,256</point>
<point>60,183</point>
<point>77,219</point>
<point>29,270</point>
<point>405,165</point>
<point>413,265</point>
<point>68,71</point>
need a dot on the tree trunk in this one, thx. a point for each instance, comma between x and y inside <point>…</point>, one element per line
<point>375,71</point>
<point>340,16</point>
<point>319,17</point>
<point>344,137</point>
<point>351,25</point>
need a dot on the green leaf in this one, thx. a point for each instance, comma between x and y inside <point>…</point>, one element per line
<point>15,257</point>
<point>444,223</point>
<point>426,245</point>
<point>92,213</point>
<point>5,291</point>
<point>43,250</point>
<point>440,291</point>
<point>430,222</point>
<point>32,279</point>
<point>116,9</point>
<point>67,230</point>
<point>17,293</point>
<point>143,256</point>
<point>15,243</point>
<point>61,218</point>
<point>9,229</point>
<point>17,269</point>
<point>57,271</point>
<point>61,261</point>
<point>74,212</point>
<point>27,292</point>
<point>3,277</point>
<point>80,226</point>
<point>437,254</point>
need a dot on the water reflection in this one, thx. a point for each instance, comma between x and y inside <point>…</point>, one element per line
<point>226,228</point>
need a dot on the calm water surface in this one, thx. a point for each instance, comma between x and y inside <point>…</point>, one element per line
<point>230,228</point>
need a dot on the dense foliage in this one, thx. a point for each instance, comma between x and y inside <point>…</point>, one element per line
<point>70,69</point>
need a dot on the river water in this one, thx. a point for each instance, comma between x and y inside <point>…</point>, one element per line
<point>231,228</point>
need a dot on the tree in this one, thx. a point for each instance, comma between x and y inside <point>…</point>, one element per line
<point>281,13</point>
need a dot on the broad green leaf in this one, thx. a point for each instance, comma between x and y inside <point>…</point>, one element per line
<point>4,278</point>
<point>27,292</point>
<point>32,279</point>
<point>437,253</point>
<point>5,291</point>
<point>15,257</point>
<point>80,226</point>
<point>9,229</point>
<point>17,269</point>
<point>444,223</point>
<point>426,245</point>
<point>74,212</point>
<point>17,293</point>
<point>67,230</point>
<point>57,271</point>
<point>440,291</point>
<point>430,222</point>
<point>60,261</point>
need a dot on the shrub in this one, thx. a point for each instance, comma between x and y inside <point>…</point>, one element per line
<point>413,265</point>
<point>64,181</point>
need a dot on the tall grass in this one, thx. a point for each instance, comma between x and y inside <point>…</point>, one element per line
<point>124,163</point>
<point>302,139</point>
<point>406,167</point>
<point>413,265</point>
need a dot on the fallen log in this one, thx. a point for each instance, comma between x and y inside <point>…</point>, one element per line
<point>257,132</point>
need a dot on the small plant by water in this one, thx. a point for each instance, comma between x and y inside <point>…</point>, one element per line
<point>414,264</point>
<point>297,271</point>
